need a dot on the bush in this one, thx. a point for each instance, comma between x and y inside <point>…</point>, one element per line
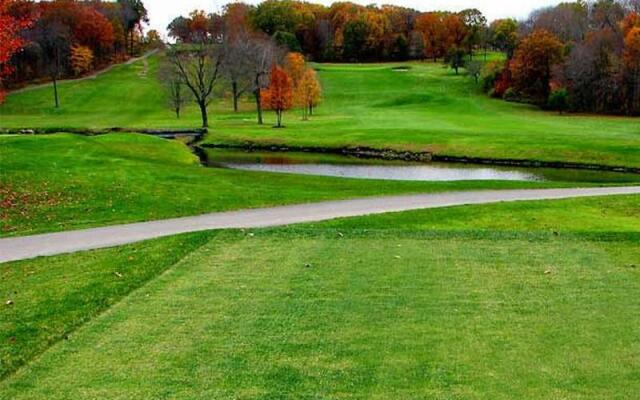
<point>559,100</point>
<point>288,40</point>
<point>490,74</point>
<point>510,95</point>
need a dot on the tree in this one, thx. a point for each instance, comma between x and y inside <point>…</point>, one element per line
<point>354,40</point>
<point>559,100</point>
<point>295,66</point>
<point>475,23</point>
<point>199,27</point>
<point>178,95</point>
<point>288,40</point>
<point>10,40</point>
<point>416,45</point>
<point>279,95</point>
<point>474,69</point>
<point>504,35</point>
<point>273,16</point>
<point>455,58</point>
<point>308,92</point>
<point>592,73</point>
<point>237,68</point>
<point>81,59</point>
<point>153,39</point>
<point>264,54</point>
<point>180,30</point>
<point>569,22</point>
<point>433,32</point>
<point>199,69</point>
<point>455,32</point>
<point>532,64</point>
<point>93,30</point>
<point>133,14</point>
<point>631,60</point>
<point>53,36</point>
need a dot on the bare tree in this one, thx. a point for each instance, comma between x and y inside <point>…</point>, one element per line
<point>52,38</point>
<point>264,54</point>
<point>237,67</point>
<point>474,68</point>
<point>178,95</point>
<point>199,69</point>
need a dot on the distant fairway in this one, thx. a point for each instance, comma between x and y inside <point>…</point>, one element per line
<point>425,107</point>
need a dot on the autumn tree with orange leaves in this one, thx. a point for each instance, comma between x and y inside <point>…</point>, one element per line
<point>10,40</point>
<point>294,66</point>
<point>532,64</point>
<point>279,95</point>
<point>308,92</point>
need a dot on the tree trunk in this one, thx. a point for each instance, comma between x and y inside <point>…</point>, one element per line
<point>178,112</point>
<point>131,44</point>
<point>259,106</point>
<point>55,76</point>
<point>205,115</point>
<point>279,118</point>
<point>234,89</point>
<point>310,109</point>
<point>55,91</point>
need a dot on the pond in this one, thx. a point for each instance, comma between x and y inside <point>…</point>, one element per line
<point>352,167</point>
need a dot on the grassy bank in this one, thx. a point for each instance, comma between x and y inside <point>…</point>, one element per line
<point>425,108</point>
<point>304,314</point>
<point>61,182</point>
<point>53,296</point>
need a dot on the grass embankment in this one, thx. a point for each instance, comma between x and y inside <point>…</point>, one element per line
<point>53,296</point>
<point>474,311</point>
<point>61,182</point>
<point>425,108</point>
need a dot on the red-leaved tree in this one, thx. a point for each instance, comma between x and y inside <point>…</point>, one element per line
<point>10,40</point>
<point>279,95</point>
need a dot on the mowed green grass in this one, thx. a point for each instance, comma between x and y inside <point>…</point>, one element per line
<point>61,182</point>
<point>336,311</point>
<point>426,108</point>
<point>53,296</point>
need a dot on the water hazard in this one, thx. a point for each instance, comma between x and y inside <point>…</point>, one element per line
<point>352,167</point>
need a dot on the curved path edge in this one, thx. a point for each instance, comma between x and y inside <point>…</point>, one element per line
<point>22,248</point>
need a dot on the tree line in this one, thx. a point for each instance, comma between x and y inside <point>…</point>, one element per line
<point>580,56</point>
<point>348,32</point>
<point>67,38</point>
<point>218,54</point>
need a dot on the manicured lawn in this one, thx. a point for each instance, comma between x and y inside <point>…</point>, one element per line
<point>62,182</point>
<point>598,215</point>
<point>53,296</point>
<point>424,108</point>
<point>403,305</point>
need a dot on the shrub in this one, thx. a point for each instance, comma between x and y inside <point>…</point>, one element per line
<point>288,40</point>
<point>510,95</point>
<point>490,74</point>
<point>559,100</point>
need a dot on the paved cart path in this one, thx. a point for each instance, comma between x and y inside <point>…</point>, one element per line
<point>20,248</point>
